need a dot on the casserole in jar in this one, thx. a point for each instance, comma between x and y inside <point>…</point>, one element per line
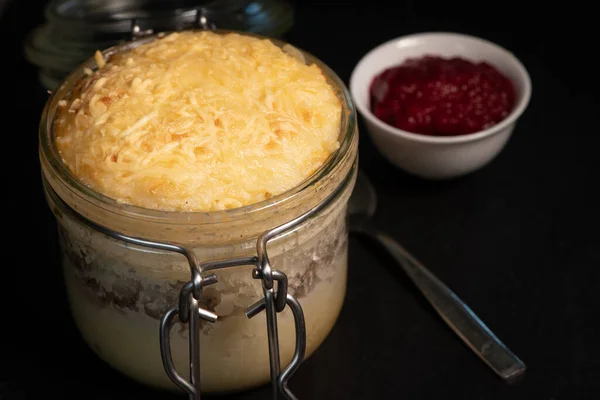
<point>205,140</point>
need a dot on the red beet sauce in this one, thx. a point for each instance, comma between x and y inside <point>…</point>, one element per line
<point>442,96</point>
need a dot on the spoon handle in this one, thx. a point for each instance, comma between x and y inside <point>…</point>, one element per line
<point>457,314</point>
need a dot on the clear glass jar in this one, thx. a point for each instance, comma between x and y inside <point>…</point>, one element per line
<point>75,29</point>
<point>118,291</point>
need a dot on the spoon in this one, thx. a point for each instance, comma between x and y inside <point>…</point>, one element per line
<point>449,306</point>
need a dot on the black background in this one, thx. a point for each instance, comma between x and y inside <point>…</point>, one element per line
<point>516,240</point>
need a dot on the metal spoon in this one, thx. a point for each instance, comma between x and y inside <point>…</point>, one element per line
<point>457,314</point>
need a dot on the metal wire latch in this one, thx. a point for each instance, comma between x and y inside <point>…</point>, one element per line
<point>276,297</point>
<point>275,300</point>
<point>197,15</point>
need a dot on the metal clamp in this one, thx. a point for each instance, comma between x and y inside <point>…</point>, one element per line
<point>275,299</point>
<point>274,302</point>
<point>136,30</point>
<point>188,311</point>
<point>300,349</point>
<point>202,21</point>
<point>199,17</point>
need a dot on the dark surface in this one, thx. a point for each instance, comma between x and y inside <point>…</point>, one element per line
<point>516,240</point>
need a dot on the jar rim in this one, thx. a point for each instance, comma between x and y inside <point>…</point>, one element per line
<point>51,158</point>
<point>67,11</point>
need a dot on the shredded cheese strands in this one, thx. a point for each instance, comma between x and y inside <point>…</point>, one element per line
<point>99,61</point>
<point>199,121</point>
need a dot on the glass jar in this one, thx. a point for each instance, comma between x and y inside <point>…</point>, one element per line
<point>119,290</point>
<point>74,29</point>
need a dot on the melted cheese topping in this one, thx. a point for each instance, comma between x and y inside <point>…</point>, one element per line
<point>199,121</point>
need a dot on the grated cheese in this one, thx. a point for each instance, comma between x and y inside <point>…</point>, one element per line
<point>99,59</point>
<point>199,121</point>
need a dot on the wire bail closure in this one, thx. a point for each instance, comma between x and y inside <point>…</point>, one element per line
<point>201,21</point>
<point>274,301</point>
<point>276,297</point>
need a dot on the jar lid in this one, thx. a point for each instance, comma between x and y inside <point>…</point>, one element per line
<point>75,29</point>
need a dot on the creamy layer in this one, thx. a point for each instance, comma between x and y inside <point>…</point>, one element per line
<point>234,351</point>
<point>118,293</point>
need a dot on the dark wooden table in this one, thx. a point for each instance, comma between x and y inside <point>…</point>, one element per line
<point>516,240</point>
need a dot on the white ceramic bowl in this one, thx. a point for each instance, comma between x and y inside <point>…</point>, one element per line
<point>437,157</point>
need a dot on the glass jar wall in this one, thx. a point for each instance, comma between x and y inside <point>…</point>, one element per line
<point>118,291</point>
<point>75,29</point>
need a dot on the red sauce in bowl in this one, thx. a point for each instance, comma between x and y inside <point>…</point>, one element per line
<point>442,97</point>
